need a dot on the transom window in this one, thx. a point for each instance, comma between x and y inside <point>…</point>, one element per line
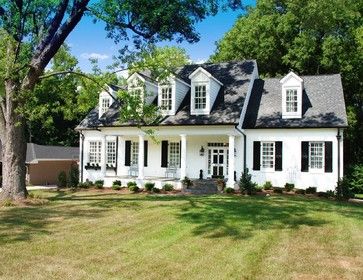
<point>174,154</point>
<point>105,104</point>
<point>95,152</point>
<point>291,100</point>
<point>111,152</point>
<point>166,98</point>
<point>316,155</point>
<point>134,153</point>
<point>268,155</point>
<point>200,100</point>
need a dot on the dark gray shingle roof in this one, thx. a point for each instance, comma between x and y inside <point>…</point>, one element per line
<point>323,104</point>
<point>36,152</point>
<point>227,108</point>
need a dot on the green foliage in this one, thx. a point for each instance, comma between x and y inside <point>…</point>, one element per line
<point>84,185</point>
<point>62,179</point>
<point>116,187</point>
<point>149,186</point>
<point>299,191</point>
<point>245,183</point>
<point>155,190</point>
<point>289,187</point>
<point>168,187</point>
<point>342,190</point>
<point>229,190</point>
<point>310,190</point>
<point>187,182</point>
<point>133,188</point>
<point>355,178</point>
<point>278,190</point>
<point>116,183</point>
<point>99,184</point>
<point>258,188</point>
<point>73,176</point>
<point>267,185</point>
<point>131,183</point>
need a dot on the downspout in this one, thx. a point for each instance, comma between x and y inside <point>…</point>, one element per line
<point>338,139</point>
<point>82,148</point>
<point>244,147</point>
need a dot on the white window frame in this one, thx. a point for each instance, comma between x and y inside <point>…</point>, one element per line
<point>198,99</point>
<point>313,158</point>
<point>134,153</point>
<point>105,105</point>
<point>174,154</point>
<point>94,152</point>
<point>289,103</point>
<point>265,158</point>
<point>166,97</point>
<point>111,152</point>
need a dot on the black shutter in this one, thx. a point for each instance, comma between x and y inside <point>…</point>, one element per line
<point>304,156</point>
<point>278,156</point>
<point>329,156</point>
<point>145,152</point>
<point>164,153</point>
<point>127,153</point>
<point>256,155</point>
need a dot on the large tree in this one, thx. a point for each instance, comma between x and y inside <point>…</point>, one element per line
<point>309,37</point>
<point>32,32</point>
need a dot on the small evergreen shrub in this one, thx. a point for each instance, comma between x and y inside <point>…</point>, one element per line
<point>310,190</point>
<point>168,187</point>
<point>84,185</point>
<point>149,186</point>
<point>289,187</point>
<point>342,190</point>
<point>330,193</point>
<point>73,176</point>
<point>278,190</point>
<point>187,182</point>
<point>322,194</point>
<point>133,188</point>
<point>355,179</point>
<point>245,183</point>
<point>259,188</point>
<point>229,190</point>
<point>299,191</point>
<point>267,185</point>
<point>99,184</point>
<point>62,179</point>
<point>155,190</point>
<point>131,183</point>
<point>116,183</point>
<point>116,187</point>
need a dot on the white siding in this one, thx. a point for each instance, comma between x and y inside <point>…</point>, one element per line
<point>213,92</point>
<point>180,92</point>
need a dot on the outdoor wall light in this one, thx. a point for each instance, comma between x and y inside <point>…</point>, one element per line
<point>201,151</point>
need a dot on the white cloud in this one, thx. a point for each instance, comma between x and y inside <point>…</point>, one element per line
<point>200,61</point>
<point>98,56</point>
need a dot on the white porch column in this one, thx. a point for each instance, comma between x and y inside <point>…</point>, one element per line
<point>103,156</point>
<point>141,157</point>
<point>183,156</point>
<point>231,167</point>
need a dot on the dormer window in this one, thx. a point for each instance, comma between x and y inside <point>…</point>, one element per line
<point>200,98</point>
<point>166,98</point>
<point>292,89</point>
<point>105,104</point>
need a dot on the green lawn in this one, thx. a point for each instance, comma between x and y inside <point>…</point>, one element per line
<point>95,235</point>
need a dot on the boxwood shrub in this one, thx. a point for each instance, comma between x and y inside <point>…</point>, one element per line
<point>149,186</point>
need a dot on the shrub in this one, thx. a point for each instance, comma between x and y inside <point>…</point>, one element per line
<point>187,182</point>
<point>168,187</point>
<point>84,185</point>
<point>267,185</point>
<point>99,184</point>
<point>149,186</point>
<point>245,183</point>
<point>343,192</point>
<point>354,179</point>
<point>133,188</point>
<point>116,187</point>
<point>299,191</point>
<point>310,190</point>
<point>131,183</point>
<point>259,188</point>
<point>155,190</point>
<point>289,187</point>
<point>73,176</point>
<point>229,190</point>
<point>116,183</point>
<point>278,190</point>
<point>330,193</point>
<point>62,179</point>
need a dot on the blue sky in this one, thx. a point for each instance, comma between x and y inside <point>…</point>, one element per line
<point>89,39</point>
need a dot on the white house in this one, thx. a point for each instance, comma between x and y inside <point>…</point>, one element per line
<point>219,119</point>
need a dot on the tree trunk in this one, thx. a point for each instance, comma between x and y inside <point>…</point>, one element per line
<point>13,149</point>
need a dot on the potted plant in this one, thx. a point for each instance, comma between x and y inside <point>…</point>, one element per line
<point>187,182</point>
<point>221,184</point>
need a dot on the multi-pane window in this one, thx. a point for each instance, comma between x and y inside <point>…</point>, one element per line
<point>95,152</point>
<point>136,92</point>
<point>200,99</point>
<point>291,100</point>
<point>268,155</point>
<point>174,154</point>
<point>316,155</point>
<point>105,104</point>
<point>111,153</point>
<point>166,98</point>
<point>134,153</point>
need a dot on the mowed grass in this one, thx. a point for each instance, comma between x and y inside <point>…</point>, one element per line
<point>99,235</point>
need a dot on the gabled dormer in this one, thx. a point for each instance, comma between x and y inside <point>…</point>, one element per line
<point>204,91</point>
<point>140,84</point>
<point>171,94</point>
<point>292,87</point>
<point>105,100</point>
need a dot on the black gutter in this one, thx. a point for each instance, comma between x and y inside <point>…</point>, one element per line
<point>82,148</point>
<point>338,139</point>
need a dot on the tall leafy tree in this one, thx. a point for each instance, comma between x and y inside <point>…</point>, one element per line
<point>32,32</point>
<point>309,37</point>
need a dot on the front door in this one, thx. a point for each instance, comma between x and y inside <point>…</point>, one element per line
<point>217,164</point>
